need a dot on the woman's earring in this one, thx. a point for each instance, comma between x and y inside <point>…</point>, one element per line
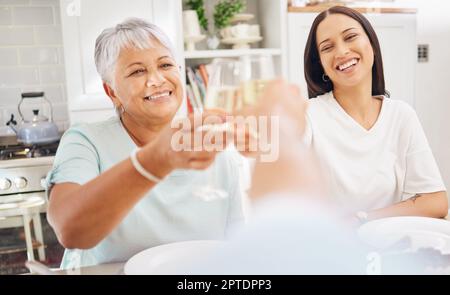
<point>120,110</point>
<point>325,78</point>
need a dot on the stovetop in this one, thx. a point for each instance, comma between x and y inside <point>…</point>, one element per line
<point>19,151</point>
<point>11,149</point>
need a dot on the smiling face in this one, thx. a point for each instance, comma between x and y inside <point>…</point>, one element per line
<point>345,51</point>
<point>147,84</point>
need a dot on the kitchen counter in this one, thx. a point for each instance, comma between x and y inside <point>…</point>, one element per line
<point>102,269</point>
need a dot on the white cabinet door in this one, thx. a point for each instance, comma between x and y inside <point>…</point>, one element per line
<point>397,36</point>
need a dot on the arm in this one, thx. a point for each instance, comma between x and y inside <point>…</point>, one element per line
<point>83,215</point>
<point>422,174</point>
<point>427,205</point>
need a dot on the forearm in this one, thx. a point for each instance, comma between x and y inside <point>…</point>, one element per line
<point>427,205</point>
<point>83,215</point>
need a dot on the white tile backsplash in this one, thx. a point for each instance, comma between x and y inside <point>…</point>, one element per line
<point>32,16</point>
<point>31,57</point>
<point>16,76</point>
<point>16,36</point>
<point>8,57</point>
<point>9,96</point>
<point>57,15</point>
<point>45,2</point>
<point>48,35</point>
<point>54,94</point>
<point>5,16</point>
<point>52,75</point>
<point>14,2</point>
<point>38,56</point>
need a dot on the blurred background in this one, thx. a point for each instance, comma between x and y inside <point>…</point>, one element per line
<point>47,46</point>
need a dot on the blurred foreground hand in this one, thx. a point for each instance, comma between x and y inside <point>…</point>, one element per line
<point>294,170</point>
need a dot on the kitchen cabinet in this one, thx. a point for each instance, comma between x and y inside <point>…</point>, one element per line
<point>397,36</point>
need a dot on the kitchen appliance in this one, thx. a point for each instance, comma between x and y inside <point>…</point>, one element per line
<point>23,169</point>
<point>39,129</point>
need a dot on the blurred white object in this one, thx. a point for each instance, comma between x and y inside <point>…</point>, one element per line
<point>288,234</point>
<point>191,25</point>
<point>213,42</point>
<point>170,259</point>
<point>191,29</point>
<point>422,232</point>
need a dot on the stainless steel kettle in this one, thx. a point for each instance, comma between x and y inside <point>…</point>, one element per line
<point>39,129</point>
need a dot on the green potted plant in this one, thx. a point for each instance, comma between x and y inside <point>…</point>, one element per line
<point>224,12</point>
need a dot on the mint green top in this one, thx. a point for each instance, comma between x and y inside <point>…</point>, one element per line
<point>167,213</point>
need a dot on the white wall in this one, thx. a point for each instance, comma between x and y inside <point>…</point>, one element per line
<point>31,56</point>
<point>433,79</point>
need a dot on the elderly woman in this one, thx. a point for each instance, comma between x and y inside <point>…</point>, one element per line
<point>106,205</point>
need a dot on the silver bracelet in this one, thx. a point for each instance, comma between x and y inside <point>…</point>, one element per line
<point>141,169</point>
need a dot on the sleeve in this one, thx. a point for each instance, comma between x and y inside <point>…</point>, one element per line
<point>76,160</point>
<point>422,172</point>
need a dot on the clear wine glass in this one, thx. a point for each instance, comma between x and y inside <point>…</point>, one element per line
<point>233,84</point>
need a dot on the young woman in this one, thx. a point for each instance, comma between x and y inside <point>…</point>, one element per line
<point>373,149</point>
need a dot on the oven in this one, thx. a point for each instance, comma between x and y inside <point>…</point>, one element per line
<point>23,170</point>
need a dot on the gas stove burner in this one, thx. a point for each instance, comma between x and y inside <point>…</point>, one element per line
<point>23,151</point>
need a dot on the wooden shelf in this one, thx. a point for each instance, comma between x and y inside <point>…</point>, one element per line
<point>373,9</point>
<point>203,54</point>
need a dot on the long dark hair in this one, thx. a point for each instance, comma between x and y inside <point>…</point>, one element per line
<point>313,68</point>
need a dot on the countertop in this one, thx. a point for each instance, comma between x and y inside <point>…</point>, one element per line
<point>101,269</point>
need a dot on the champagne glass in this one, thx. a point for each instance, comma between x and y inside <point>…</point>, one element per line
<point>233,84</point>
<point>238,83</point>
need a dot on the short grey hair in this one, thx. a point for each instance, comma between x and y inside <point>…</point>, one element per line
<point>131,33</point>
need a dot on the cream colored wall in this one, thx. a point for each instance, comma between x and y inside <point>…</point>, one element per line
<point>432,79</point>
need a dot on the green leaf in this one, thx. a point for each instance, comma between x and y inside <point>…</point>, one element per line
<point>225,10</point>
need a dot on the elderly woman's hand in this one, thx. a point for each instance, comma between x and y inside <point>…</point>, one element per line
<point>189,143</point>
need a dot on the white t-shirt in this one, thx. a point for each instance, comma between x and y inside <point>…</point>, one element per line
<point>371,169</point>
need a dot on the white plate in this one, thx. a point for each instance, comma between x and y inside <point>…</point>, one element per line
<point>422,231</point>
<point>169,259</point>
